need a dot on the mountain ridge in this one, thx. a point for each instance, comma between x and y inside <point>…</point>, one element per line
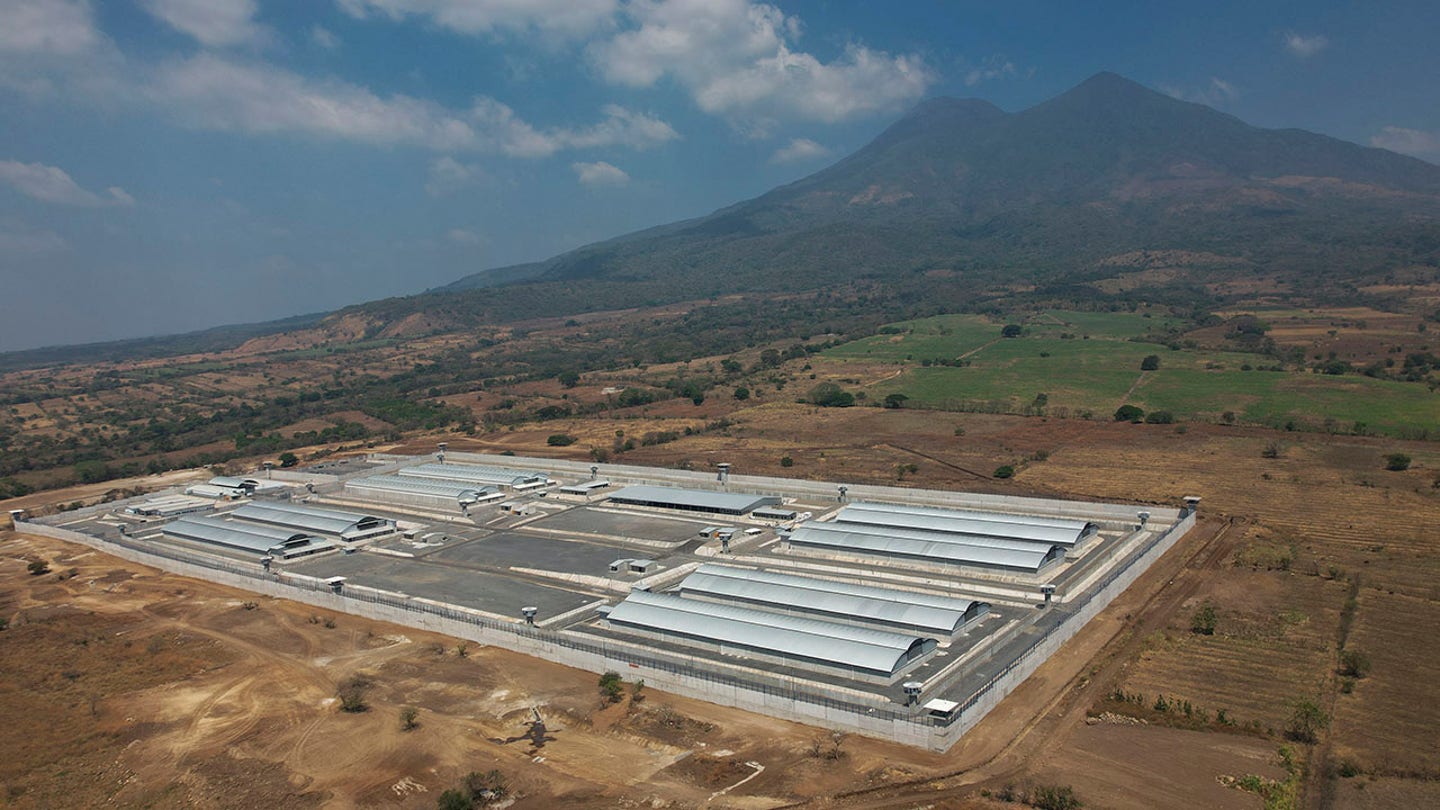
<point>972,172</point>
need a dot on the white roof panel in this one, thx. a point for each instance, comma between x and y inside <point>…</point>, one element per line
<point>928,612</point>
<point>825,535</point>
<point>959,523</point>
<point>788,636</point>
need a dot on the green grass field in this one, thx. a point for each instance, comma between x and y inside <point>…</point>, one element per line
<point>1096,369</point>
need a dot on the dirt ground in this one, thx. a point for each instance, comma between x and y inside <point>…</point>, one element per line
<point>237,706</point>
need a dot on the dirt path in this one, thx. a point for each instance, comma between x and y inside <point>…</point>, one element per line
<point>1133,386</point>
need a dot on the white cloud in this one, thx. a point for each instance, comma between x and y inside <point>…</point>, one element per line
<point>63,27</point>
<point>1413,142</point>
<point>600,174</point>
<point>995,67</point>
<point>325,38</point>
<point>572,18</point>
<point>736,59</point>
<point>448,175</point>
<point>508,134</point>
<point>1217,93</point>
<point>461,236</point>
<point>213,92</point>
<point>214,23</point>
<point>51,184</point>
<point>798,150</point>
<point>1305,46</point>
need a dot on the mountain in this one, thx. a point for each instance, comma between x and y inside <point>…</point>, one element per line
<point>1104,170</point>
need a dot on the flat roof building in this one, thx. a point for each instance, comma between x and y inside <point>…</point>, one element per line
<point>692,500</point>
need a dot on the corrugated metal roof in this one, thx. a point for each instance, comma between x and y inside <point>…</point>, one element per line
<point>841,645</point>
<point>307,518</point>
<point>983,540</point>
<point>419,486</point>
<point>259,539</point>
<point>940,521</point>
<point>943,549</point>
<point>974,514</point>
<point>473,474</point>
<point>929,612</point>
<point>698,499</point>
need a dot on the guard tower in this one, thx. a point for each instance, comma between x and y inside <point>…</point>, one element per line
<point>1192,505</point>
<point>842,489</point>
<point>440,452</point>
<point>529,613</point>
<point>1144,517</point>
<point>1048,591</point>
<point>724,476</point>
<point>912,692</point>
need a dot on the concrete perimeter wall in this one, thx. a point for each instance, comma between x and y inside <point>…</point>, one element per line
<point>880,719</point>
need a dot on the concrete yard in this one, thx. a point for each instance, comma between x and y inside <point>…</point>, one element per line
<point>493,593</point>
<point>621,525</point>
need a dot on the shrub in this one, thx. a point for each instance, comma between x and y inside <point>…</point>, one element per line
<point>288,459</point>
<point>1203,622</point>
<point>409,718</point>
<point>1160,418</point>
<point>1011,330</point>
<point>1004,471</point>
<point>352,694</point>
<point>38,567</point>
<point>742,393</point>
<point>1354,664</point>
<point>560,440</point>
<point>786,461</point>
<point>1129,413</point>
<point>1150,363</point>
<point>1306,720</point>
<point>1053,797</point>
<point>1397,462</point>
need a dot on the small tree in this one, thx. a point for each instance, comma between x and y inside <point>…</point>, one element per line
<point>1203,622</point>
<point>1397,462</point>
<point>612,687</point>
<point>409,718</point>
<point>1004,471</point>
<point>1129,413</point>
<point>786,461</point>
<point>38,567</point>
<point>1011,330</point>
<point>560,440</point>
<point>569,379</point>
<point>830,395</point>
<point>742,393</point>
<point>289,459</point>
<point>895,401</point>
<point>1160,418</point>
<point>1306,720</point>
<point>1150,363</point>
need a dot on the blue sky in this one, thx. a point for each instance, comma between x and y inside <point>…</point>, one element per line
<point>169,165</point>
